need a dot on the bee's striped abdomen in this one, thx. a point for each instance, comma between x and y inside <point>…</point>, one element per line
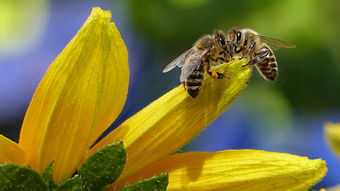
<point>267,67</point>
<point>193,83</point>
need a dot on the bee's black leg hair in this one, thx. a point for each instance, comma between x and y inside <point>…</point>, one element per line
<point>251,47</point>
<point>257,59</point>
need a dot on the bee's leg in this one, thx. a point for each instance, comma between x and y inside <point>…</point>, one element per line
<point>230,50</point>
<point>215,75</point>
<point>258,58</point>
<point>223,57</point>
<point>250,48</point>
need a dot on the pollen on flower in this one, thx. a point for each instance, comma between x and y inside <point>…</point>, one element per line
<point>214,75</point>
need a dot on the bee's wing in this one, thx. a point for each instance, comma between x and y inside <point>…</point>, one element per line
<point>179,61</point>
<point>276,43</point>
<point>191,64</point>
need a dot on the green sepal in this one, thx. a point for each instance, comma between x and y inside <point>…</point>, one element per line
<point>47,176</point>
<point>103,167</point>
<point>72,184</point>
<point>19,178</point>
<point>156,183</point>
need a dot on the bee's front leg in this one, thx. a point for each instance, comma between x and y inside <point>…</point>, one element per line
<point>260,57</point>
<point>248,49</point>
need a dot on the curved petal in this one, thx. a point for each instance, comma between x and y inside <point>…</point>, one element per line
<point>236,170</point>
<point>174,119</point>
<point>332,134</point>
<point>81,94</point>
<point>11,152</point>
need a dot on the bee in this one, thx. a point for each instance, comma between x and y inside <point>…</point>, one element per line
<point>209,50</point>
<point>250,44</point>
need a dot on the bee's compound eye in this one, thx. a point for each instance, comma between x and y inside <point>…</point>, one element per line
<point>221,41</point>
<point>238,36</point>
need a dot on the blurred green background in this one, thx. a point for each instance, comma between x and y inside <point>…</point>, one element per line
<point>285,116</point>
<point>309,74</point>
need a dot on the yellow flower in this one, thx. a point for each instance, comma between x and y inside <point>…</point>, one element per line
<point>83,92</point>
<point>332,135</point>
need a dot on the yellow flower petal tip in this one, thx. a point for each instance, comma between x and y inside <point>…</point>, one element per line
<point>174,119</point>
<point>81,94</point>
<point>332,135</point>
<point>235,170</point>
<point>11,152</point>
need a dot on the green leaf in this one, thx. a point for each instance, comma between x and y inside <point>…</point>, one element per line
<point>156,183</point>
<point>47,176</point>
<point>73,184</point>
<point>14,177</point>
<point>103,167</point>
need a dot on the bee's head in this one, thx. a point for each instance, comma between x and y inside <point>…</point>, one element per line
<point>234,37</point>
<point>220,38</point>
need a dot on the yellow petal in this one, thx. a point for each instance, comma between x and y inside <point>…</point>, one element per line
<point>332,134</point>
<point>11,152</point>
<point>174,119</point>
<point>81,94</point>
<point>236,170</point>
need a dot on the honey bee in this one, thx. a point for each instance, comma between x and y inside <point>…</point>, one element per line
<point>207,51</point>
<point>248,43</point>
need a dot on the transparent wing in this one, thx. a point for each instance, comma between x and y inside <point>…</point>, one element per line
<point>191,64</point>
<point>179,61</point>
<point>276,42</point>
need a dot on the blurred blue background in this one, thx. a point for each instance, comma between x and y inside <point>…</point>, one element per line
<point>285,116</point>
